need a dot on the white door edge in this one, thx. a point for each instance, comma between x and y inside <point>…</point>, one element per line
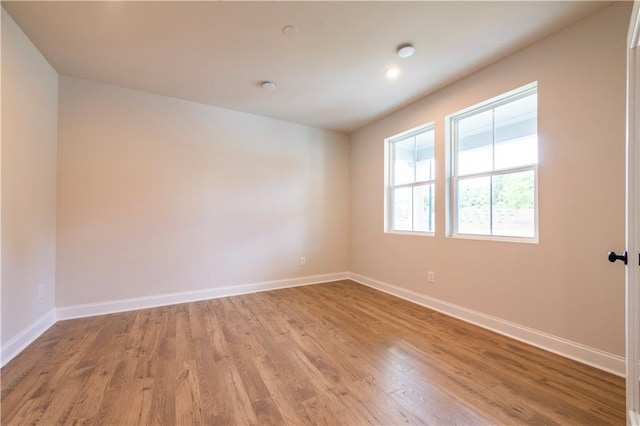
<point>632,215</point>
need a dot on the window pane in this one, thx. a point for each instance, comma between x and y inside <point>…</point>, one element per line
<point>404,161</point>
<point>492,145</point>
<point>517,133</point>
<point>402,209</point>
<point>514,204</point>
<point>423,208</point>
<point>475,143</point>
<point>424,152</point>
<point>474,206</point>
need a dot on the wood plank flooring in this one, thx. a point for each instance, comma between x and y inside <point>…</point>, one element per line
<point>336,354</point>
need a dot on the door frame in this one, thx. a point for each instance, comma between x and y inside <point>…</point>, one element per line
<point>632,216</point>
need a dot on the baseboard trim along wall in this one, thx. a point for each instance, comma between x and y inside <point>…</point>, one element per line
<point>23,339</point>
<point>587,355</point>
<point>16,345</point>
<point>92,309</point>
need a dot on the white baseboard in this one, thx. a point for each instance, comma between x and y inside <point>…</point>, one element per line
<point>23,339</point>
<point>587,355</point>
<point>576,351</point>
<point>92,309</point>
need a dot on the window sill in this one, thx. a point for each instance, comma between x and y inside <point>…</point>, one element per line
<point>497,238</point>
<point>418,233</point>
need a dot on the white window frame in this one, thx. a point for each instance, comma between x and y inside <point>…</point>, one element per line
<point>451,200</point>
<point>388,177</point>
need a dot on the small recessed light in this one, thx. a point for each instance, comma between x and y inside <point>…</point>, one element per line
<point>290,31</point>
<point>406,50</point>
<point>392,73</point>
<point>268,85</point>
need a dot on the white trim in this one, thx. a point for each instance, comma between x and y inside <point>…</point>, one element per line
<point>497,238</point>
<point>418,233</point>
<point>411,132</point>
<point>496,101</point>
<point>632,275</point>
<point>23,339</point>
<point>585,354</point>
<point>633,37</point>
<point>453,177</point>
<point>389,186</point>
<point>114,306</point>
<point>581,353</point>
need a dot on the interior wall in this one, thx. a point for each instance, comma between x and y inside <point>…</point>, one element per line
<point>564,285</point>
<point>158,195</point>
<point>29,133</point>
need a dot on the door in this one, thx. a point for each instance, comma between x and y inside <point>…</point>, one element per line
<point>632,217</point>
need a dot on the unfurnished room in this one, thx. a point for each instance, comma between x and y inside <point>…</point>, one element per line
<point>320,212</point>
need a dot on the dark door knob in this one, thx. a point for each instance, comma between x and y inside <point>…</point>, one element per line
<point>613,256</point>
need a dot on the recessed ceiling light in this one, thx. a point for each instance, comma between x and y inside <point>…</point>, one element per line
<point>268,85</point>
<point>290,31</point>
<point>406,50</point>
<point>392,73</point>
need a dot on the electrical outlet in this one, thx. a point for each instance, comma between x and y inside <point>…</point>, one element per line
<point>40,291</point>
<point>303,261</point>
<point>431,277</point>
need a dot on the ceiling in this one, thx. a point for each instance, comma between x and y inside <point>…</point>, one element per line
<point>330,75</point>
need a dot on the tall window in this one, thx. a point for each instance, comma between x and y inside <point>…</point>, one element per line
<point>493,148</point>
<point>410,181</point>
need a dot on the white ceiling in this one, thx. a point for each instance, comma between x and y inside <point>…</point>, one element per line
<point>330,75</point>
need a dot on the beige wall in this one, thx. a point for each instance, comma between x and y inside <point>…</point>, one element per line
<point>29,132</point>
<point>158,195</point>
<point>564,285</point>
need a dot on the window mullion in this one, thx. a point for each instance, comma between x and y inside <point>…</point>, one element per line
<point>506,171</point>
<point>453,185</point>
<point>415,177</point>
<point>392,181</point>
<point>454,157</point>
<point>415,159</point>
<point>498,172</point>
<point>493,139</point>
<point>491,205</point>
<point>392,202</point>
<point>392,162</point>
<point>413,184</point>
<point>493,167</point>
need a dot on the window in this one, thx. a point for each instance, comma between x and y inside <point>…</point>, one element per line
<point>410,175</point>
<point>493,153</point>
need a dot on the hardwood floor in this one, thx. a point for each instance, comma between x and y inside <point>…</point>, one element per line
<point>336,353</point>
